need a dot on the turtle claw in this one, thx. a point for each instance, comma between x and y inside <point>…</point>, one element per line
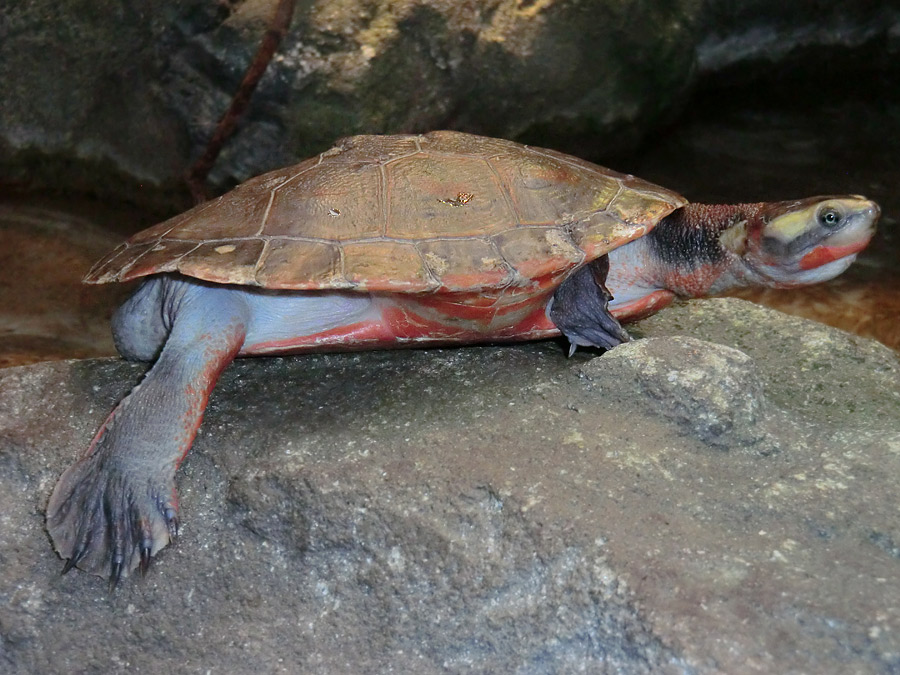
<point>144,565</point>
<point>146,547</point>
<point>78,553</point>
<point>68,567</point>
<point>115,574</point>
<point>171,523</point>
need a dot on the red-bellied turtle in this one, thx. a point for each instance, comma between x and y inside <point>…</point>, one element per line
<point>387,241</point>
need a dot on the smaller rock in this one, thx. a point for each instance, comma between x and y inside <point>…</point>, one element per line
<point>712,391</point>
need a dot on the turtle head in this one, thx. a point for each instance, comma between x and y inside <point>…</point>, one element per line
<point>805,241</point>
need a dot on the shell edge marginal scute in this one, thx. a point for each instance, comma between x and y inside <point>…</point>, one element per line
<point>91,277</point>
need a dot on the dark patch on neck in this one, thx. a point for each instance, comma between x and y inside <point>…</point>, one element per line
<point>689,237</point>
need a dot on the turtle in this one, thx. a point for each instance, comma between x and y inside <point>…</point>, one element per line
<point>388,241</point>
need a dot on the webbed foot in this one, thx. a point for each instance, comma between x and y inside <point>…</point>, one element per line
<point>108,519</point>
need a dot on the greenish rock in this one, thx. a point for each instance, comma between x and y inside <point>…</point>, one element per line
<point>119,103</point>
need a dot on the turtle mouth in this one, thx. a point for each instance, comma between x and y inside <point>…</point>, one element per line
<point>822,255</point>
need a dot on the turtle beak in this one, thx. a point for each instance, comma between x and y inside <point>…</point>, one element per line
<point>872,211</point>
<point>866,211</point>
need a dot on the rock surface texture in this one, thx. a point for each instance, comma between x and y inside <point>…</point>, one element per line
<point>719,497</point>
<point>119,103</point>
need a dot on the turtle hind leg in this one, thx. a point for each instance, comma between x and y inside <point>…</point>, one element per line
<point>580,309</point>
<point>116,507</point>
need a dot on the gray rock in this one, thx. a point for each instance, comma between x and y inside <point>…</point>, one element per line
<point>488,509</point>
<point>797,360</point>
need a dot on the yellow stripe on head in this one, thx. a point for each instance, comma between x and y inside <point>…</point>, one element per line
<point>788,221</point>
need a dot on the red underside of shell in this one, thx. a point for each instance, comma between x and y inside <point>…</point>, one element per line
<point>501,315</point>
<point>400,326</point>
<point>437,322</point>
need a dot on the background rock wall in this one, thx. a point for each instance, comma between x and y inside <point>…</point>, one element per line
<point>116,99</point>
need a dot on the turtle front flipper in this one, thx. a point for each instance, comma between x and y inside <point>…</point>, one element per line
<point>580,309</point>
<point>116,506</point>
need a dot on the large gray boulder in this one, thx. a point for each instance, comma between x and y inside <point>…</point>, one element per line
<point>718,497</point>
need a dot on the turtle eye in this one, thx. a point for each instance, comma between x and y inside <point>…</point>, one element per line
<point>830,218</point>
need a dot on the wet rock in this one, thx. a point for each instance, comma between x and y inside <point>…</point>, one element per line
<point>487,509</point>
<point>713,392</point>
